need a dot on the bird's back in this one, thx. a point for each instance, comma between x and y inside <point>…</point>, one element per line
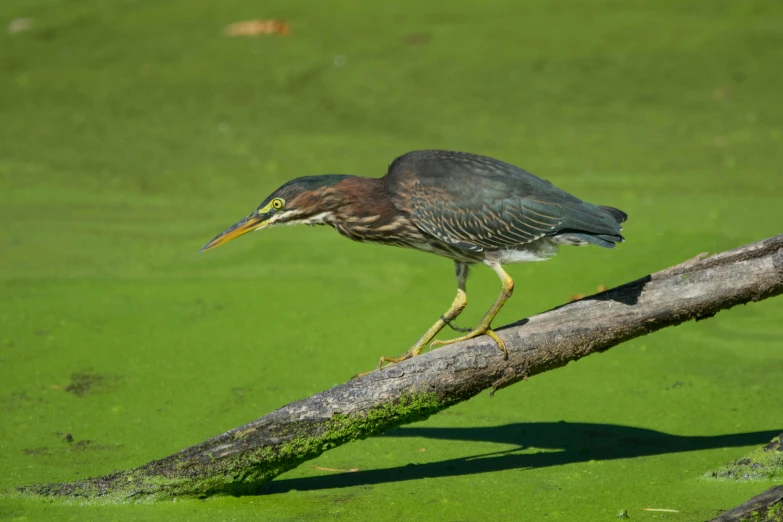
<point>481,203</point>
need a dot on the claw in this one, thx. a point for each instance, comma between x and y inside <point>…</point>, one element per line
<point>390,360</point>
<point>500,342</point>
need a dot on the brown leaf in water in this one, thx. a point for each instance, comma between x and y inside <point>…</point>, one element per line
<point>720,93</point>
<point>577,297</point>
<point>352,470</point>
<point>258,27</point>
<point>417,39</point>
<point>19,25</point>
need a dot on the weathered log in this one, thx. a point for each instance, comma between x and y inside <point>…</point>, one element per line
<point>243,458</point>
<point>766,507</point>
<point>761,464</point>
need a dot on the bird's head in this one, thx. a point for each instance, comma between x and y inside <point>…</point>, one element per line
<point>309,201</point>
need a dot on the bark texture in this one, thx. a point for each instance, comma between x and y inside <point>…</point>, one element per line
<point>766,507</point>
<point>242,459</point>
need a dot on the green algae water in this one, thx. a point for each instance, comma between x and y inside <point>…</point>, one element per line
<point>134,131</point>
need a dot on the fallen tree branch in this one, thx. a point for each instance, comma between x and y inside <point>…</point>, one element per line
<point>766,507</point>
<point>242,459</point>
<point>761,464</point>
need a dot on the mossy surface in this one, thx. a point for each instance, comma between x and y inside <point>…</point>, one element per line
<point>767,513</point>
<point>133,131</point>
<point>245,472</point>
<point>765,463</point>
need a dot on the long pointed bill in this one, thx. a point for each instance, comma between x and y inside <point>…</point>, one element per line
<point>252,222</point>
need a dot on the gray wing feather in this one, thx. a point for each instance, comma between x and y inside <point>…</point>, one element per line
<point>479,203</point>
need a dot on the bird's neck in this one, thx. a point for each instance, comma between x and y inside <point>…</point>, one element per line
<point>357,206</point>
<point>360,197</point>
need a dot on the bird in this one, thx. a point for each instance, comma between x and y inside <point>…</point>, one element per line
<point>470,208</point>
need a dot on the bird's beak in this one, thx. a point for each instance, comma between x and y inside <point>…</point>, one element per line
<point>252,222</point>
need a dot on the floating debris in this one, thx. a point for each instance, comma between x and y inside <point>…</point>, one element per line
<point>417,38</point>
<point>764,463</point>
<point>577,297</point>
<point>720,93</point>
<point>258,27</point>
<point>352,470</point>
<point>19,25</point>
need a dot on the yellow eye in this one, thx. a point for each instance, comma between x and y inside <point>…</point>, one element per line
<point>277,203</point>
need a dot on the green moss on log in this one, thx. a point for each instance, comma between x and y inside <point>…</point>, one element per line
<point>772,513</point>
<point>239,472</point>
<point>764,463</point>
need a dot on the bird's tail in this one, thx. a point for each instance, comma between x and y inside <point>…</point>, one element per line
<point>601,240</point>
<point>608,240</point>
<point>606,236</point>
<point>592,224</point>
<point>616,213</point>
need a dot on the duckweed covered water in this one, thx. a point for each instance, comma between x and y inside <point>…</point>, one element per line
<point>133,131</point>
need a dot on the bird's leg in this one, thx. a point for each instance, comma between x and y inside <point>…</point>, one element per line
<point>460,301</point>
<point>484,326</point>
<point>456,328</point>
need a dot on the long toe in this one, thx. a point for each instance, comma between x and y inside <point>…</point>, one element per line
<point>469,335</point>
<point>500,342</point>
<point>475,333</point>
<point>385,361</point>
<point>392,360</point>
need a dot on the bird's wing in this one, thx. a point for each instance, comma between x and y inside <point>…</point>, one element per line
<point>477,203</point>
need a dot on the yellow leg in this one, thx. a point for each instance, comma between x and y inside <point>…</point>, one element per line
<point>456,308</point>
<point>484,326</point>
<point>459,303</point>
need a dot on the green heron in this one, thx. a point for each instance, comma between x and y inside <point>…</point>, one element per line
<point>469,208</point>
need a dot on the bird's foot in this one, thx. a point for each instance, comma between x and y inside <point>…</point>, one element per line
<point>387,361</point>
<point>486,330</point>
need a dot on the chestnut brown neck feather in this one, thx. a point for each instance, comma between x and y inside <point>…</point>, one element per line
<point>364,198</point>
<point>348,200</point>
<point>358,208</point>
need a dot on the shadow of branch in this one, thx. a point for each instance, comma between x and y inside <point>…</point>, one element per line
<point>558,443</point>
